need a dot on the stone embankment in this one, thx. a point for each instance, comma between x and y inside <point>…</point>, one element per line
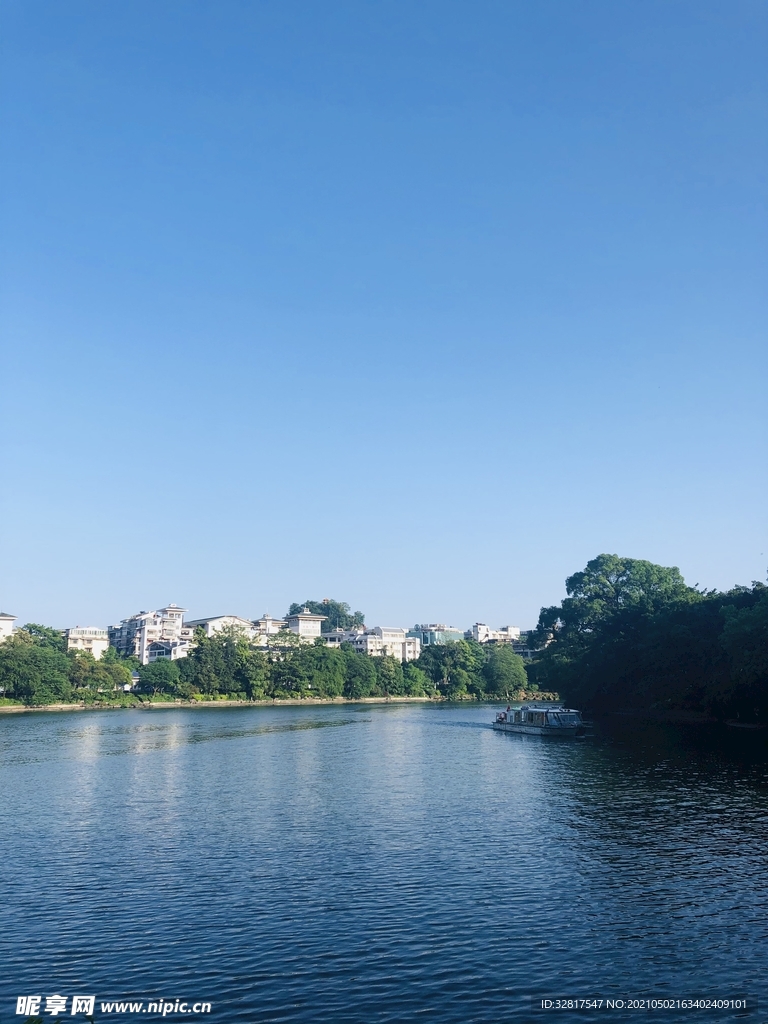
<point>149,705</point>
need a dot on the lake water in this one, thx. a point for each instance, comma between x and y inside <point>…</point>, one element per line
<point>377,863</point>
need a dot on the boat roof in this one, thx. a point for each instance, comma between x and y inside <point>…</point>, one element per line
<point>545,707</point>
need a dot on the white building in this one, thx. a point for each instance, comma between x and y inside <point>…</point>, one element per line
<point>133,636</point>
<point>267,626</point>
<point>305,624</point>
<point>89,639</point>
<point>219,622</point>
<point>337,637</point>
<point>435,633</point>
<point>171,649</point>
<point>377,641</point>
<point>484,634</point>
<point>6,625</point>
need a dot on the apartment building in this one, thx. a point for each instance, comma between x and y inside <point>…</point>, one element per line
<point>219,622</point>
<point>305,624</point>
<point>133,636</point>
<point>435,633</point>
<point>484,634</point>
<point>377,641</point>
<point>266,627</point>
<point>6,625</point>
<point>89,639</point>
<point>168,649</point>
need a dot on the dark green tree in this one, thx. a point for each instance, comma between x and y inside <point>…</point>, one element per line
<point>632,635</point>
<point>324,669</point>
<point>389,676</point>
<point>360,675</point>
<point>33,673</point>
<point>455,668</point>
<point>416,682</point>
<point>161,676</point>
<point>45,636</point>
<point>504,671</point>
<point>338,613</point>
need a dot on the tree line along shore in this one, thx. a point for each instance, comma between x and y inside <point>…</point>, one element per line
<point>36,670</point>
<point>629,636</point>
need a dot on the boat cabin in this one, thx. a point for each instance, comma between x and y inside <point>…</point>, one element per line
<point>552,717</point>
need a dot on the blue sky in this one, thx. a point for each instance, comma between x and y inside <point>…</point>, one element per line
<point>418,305</point>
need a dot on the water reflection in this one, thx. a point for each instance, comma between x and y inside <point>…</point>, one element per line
<point>417,866</point>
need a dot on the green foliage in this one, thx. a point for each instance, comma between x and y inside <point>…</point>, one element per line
<point>33,673</point>
<point>45,636</point>
<point>229,665</point>
<point>360,674</point>
<point>389,676</point>
<point>456,669</point>
<point>416,682</point>
<point>90,677</point>
<point>608,587</point>
<point>226,663</point>
<point>338,614</point>
<point>161,676</point>
<point>632,635</point>
<point>111,657</point>
<point>36,670</point>
<point>504,672</point>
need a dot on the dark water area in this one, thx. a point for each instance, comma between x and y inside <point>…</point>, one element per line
<point>379,863</point>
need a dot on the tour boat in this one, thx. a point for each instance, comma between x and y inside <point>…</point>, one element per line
<point>540,720</point>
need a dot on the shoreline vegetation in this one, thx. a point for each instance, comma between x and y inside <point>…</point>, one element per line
<point>36,670</point>
<point>631,638</point>
<point>149,705</point>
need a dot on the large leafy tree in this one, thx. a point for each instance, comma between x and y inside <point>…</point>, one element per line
<point>161,676</point>
<point>608,586</point>
<point>338,614</point>
<point>389,675</point>
<point>360,674</point>
<point>45,636</point>
<point>504,672</point>
<point>416,682</point>
<point>631,634</point>
<point>455,668</point>
<point>33,673</point>
<point>225,662</point>
<point>102,677</point>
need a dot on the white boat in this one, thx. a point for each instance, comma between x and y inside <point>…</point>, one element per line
<point>540,720</point>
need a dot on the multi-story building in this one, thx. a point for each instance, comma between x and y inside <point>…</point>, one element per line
<point>521,647</point>
<point>377,641</point>
<point>484,634</point>
<point>305,624</point>
<point>6,625</point>
<point>133,636</point>
<point>435,633</point>
<point>337,637</point>
<point>171,649</point>
<point>266,626</point>
<point>219,622</point>
<point>89,639</point>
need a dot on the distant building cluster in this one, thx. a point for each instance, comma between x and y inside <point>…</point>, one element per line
<point>165,634</point>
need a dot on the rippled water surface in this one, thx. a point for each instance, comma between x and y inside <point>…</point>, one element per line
<point>376,863</point>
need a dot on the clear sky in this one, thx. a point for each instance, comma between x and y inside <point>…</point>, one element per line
<point>417,304</point>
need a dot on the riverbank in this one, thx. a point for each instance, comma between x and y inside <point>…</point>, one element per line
<point>150,705</point>
<point>675,716</point>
